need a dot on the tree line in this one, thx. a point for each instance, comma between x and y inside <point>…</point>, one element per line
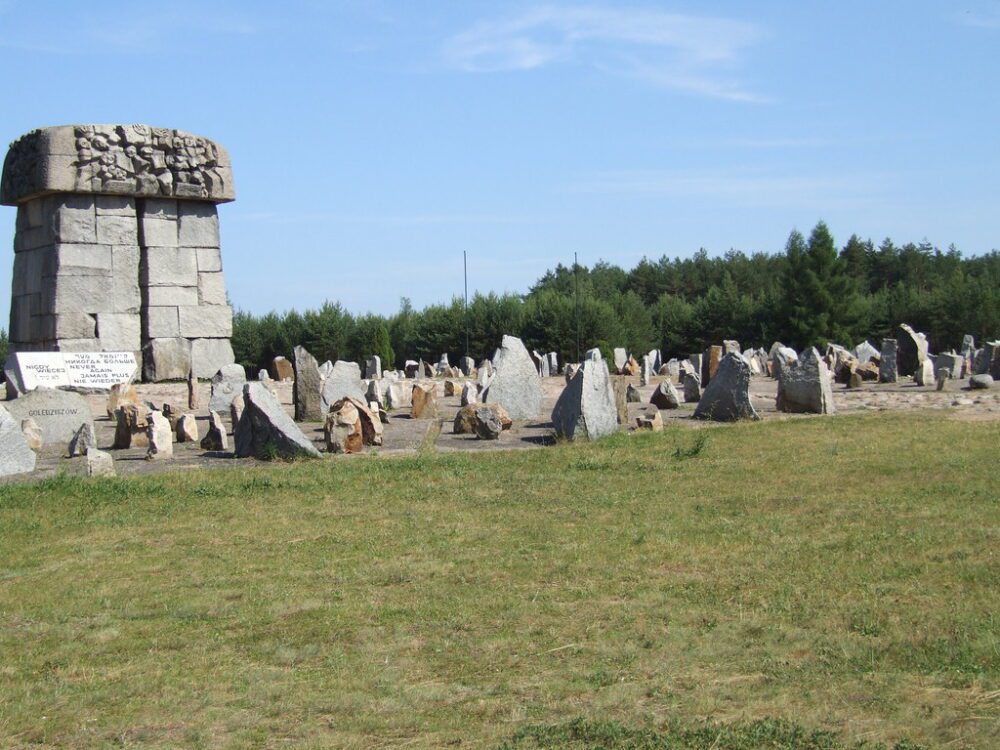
<point>811,294</point>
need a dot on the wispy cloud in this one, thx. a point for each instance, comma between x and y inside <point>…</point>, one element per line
<point>693,54</point>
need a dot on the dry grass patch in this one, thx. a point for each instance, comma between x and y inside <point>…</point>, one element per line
<point>835,573</point>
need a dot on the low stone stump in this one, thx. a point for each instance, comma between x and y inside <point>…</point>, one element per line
<point>804,386</point>
<point>665,396</point>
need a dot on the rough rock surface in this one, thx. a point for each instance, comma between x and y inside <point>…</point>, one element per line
<point>423,402</point>
<point>265,431</point>
<point>911,350</point>
<point>488,425</point>
<point>586,407</point>
<point>215,439</point>
<point>159,436</point>
<point>375,392</point>
<point>692,388</point>
<point>120,393</point>
<point>652,422</point>
<point>710,365</point>
<point>281,369</point>
<point>236,410</point>
<point>804,386</point>
<point>344,380</point>
<point>131,421</point>
<point>15,455</point>
<point>194,403</point>
<point>82,441</point>
<point>515,385</point>
<point>32,433</point>
<point>951,362</point>
<point>342,428</point>
<point>727,397</point>
<point>981,382</point>
<point>187,429</point>
<point>888,370</point>
<point>924,374</point>
<point>621,359</point>
<point>395,396</point>
<point>368,420</point>
<point>59,414</point>
<point>227,383</point>
<point>470,394</point>
<point>99,463</point>
<point>307,391</point>
<point>665,396</point>
<point>465,420</point>
<point>866,352</point>
<point>780,356</point>
<point>987,361</point>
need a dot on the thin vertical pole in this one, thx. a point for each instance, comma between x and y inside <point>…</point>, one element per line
<point>576,289</point>
<point>465,273</point>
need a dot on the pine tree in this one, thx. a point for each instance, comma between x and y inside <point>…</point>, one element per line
<point>796,305</point>
<point>819,294</point>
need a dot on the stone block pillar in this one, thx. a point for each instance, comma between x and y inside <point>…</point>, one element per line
<point>117,245</point>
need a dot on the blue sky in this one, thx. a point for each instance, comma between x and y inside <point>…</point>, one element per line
<point>373,142</point>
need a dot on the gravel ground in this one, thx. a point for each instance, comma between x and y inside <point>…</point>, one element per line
<point>406,436</point>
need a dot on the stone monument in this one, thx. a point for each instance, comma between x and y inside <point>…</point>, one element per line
<point>117,245</point>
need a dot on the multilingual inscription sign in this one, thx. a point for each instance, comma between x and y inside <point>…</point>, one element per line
<point>26,371</point>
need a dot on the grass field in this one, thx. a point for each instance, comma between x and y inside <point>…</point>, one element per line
<point>805,583</point>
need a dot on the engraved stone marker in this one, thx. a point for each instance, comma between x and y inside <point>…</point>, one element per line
<point>59,414</point>
<point>26,371</point>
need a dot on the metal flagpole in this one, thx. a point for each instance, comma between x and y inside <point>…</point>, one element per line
<point>465,273</point>
<point>576,285</point>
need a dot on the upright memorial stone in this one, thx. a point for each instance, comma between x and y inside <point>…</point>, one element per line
<point>117,245</point>
<point>586,407</point>
<point>709,366</point>
<point>227,384</point>
<point>621,359</point>
<point>987,361</point>
<point>911,350</point>
<point>804,386</point>
<point>887,370</point>
<point>344,380</point>
<point>307,391</point>
<point>727,396</point>
<point>265,431</point>
<point>516,384</point>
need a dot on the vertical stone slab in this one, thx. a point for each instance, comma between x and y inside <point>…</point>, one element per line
<point>888,371</point>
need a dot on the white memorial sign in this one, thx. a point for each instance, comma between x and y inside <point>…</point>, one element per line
<point>26,371</point>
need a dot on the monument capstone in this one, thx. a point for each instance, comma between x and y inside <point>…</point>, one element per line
<point>116,246</point>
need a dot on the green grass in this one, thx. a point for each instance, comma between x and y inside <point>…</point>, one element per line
<point>813,580</point>
<point>764,733</point>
